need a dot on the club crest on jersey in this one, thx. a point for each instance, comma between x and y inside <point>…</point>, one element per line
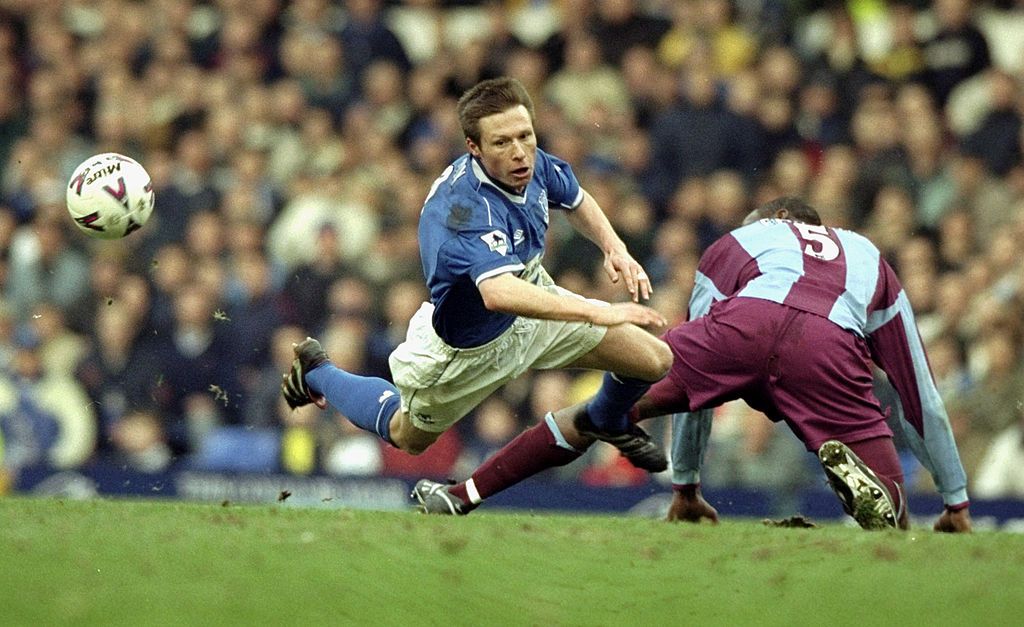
<point>518,237</point>
<point>497,242</point>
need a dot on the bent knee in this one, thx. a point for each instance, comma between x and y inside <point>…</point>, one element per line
<point>664,358</point>
<point>406,437</point>
<point>658,361</point>
<point>414,448</point>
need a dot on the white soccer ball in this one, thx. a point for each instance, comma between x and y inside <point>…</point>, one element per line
<point>110,195</point>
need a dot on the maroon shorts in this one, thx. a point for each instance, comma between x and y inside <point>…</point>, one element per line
<point>792,365</point>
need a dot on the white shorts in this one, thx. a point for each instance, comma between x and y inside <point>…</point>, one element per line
<point>440,384</point>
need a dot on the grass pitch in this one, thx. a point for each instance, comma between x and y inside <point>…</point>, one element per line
<point>110,562</point>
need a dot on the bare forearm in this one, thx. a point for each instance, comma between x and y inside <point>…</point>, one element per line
<point>591,222</point>
<point>511,295</point>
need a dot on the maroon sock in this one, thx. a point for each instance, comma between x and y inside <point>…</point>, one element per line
<point>530,452</point>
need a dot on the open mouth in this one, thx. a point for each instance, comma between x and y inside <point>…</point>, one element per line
<point>522,172</point>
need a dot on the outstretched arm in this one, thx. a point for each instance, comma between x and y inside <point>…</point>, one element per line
<point>690,431</point>
<point>690,434</point>
<point>509,294</point>
<point>590,220</point>
<point>897,348</point>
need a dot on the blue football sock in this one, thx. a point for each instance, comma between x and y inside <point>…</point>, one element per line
<point>608,409</point>
<point>368,402</point>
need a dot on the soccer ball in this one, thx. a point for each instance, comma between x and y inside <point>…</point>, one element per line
<point>110,195</point>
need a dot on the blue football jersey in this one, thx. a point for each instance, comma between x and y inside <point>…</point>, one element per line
<point>473,228</point>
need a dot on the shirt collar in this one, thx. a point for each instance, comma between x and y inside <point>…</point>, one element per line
<point>482,176</point>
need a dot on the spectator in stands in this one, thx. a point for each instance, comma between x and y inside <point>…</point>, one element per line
<point>45,418</point>
<point>997,139</point>
<point>695,137</point>
<point>331,201</point>
<point>190,374</point>
<point>875,127</point>
<point>383,95</point>
<point>987,197</point>
<point>307,285</point>
<point>587,89</point>
<point>820,119</point>
<point>927,160</point>
<point>60,348</point>
<point>957,51</point>
<point>139,441</point>
<point>780,75</point>
<point>904,59</point>
<point>350,300</point>
<point>991,405</point>
<point>110,371</point>
<point>999,473</point>
<point>45,266</point>
<point>502,40</point>
<point>620,25</point>
<point>890,223</point>
<point>254,309</point>
<point>837,54</point>
<point>949,367</point>
<point>366,38</point>
<point>401,301</point>
<point>299,439</point>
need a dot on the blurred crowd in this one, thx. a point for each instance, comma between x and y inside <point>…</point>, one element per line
<point>291,145</point>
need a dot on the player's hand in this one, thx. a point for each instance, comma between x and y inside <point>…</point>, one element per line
<point>954,522</point>
<point>688,505</point>
<point>620,263</point>
<point>621,313</point>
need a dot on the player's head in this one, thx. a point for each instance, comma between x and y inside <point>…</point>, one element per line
<point>497,119</point>
<point>785,208</point>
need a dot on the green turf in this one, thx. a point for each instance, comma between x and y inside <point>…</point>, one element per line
<point>143,563</point>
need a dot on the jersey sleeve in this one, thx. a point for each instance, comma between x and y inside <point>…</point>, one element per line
<point>564,191</point>
<point>719,273</point>
<point>691,430</point>
<point>897,348</point>
<point>690,436</point>
<point>479,253</point>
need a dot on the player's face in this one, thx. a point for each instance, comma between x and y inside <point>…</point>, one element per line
<point>508,147</point>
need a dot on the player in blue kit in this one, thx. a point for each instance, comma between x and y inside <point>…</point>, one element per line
<point>494,312</point>
<point>788,315</point>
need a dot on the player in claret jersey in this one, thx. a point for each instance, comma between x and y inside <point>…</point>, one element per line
<point>788,315</point>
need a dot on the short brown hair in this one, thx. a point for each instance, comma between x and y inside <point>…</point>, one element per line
<point>799,211</point>
<point>489,97</point>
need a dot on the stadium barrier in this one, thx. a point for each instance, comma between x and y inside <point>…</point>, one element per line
<point>540,494</point>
